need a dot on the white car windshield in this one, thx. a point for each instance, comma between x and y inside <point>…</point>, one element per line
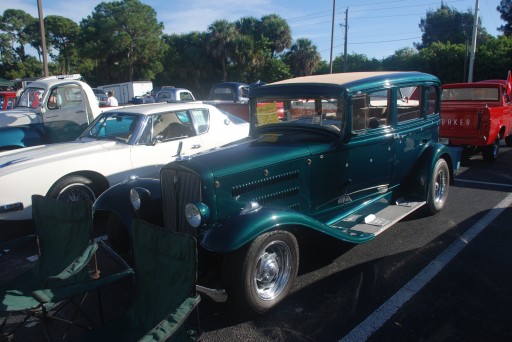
<point>113,126</point>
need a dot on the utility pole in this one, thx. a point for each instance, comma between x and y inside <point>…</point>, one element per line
<point>43,37</point>
<point>332,31</point>
<point>346,39</point>
<point>473,44</point>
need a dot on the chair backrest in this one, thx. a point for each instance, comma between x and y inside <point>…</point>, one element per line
<point>64,230</point>
<point>165,267</point>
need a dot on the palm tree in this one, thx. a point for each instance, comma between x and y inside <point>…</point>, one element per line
<point>303,57</point>
<point>277,31</point>
<point>219,40</point>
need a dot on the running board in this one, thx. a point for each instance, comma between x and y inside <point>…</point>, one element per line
<point>385,218</point>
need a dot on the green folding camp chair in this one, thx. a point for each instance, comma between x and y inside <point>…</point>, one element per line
<point>63,232</point>
<point>165,269</point>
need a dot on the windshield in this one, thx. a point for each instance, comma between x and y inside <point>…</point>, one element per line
<point>113,126</point>
<point>329,113</point>
<point>31,97</point>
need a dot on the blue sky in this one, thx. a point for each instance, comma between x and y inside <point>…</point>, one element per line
<point>375,28</point>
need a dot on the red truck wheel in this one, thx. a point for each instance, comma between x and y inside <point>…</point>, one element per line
<point>490,153</point>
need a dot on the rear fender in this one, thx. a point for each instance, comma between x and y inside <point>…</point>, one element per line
<point>116,199</point>
<point>416,183</point>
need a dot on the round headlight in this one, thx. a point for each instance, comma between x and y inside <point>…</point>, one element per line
<point>193,215</point>
<point>135,199</point>
<point>197,214</point>
<point>138,196</point>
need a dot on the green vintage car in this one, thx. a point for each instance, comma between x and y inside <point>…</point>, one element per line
<point>346,155</point>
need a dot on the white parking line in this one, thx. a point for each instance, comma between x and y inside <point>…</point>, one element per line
<point>480,182</point>
<point>380,316</point>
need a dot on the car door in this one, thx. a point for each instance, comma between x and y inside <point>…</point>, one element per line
<point>160,141</point>
<point>65,113</point>
<point>360,167</point>
<point>369,152</point>
<point>416,124</point>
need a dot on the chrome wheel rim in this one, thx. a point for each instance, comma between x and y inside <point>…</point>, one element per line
<point>76,192</point>
<point>273,269</point>
<point>440,186</point>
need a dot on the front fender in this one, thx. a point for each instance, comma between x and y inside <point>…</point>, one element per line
<point>21,136</point>
<point>116,199</point>
<point>239,230</point>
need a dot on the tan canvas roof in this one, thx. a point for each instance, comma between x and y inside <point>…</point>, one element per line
<point>340,78</point>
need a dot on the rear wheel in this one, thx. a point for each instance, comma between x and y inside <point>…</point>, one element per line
<point>262,274</point>
<point>490,153</point>
<point>508,140</point>
<point>74,188</point>
<point>439,184</point>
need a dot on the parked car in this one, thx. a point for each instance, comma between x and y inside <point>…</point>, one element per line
<point>350,157</point>
<point>476,116</point>
<point>129,141</point>
<point>7,100</point>
<point>172,94</point>
<point>229,91</point>
<point>101,96</point>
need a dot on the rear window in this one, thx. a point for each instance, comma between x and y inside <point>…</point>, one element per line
<point>470,94</point>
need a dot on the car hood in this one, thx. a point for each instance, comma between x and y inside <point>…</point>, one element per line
<point>17,117</point>
<point>243,156</point>
<point>12,161</point>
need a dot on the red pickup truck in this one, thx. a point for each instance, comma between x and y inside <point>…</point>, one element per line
<point>476,116</point>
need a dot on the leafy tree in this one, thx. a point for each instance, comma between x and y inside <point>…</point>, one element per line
<point>124,36</point>
<point>505,9</point>
<point>219,42</point>
<point>303,57</point>
<point>446,61</point>
<point>62,33</point>
<point>187,64</point>
<point>406,59</point>
<point>448,25</point>
<point>14,24</point>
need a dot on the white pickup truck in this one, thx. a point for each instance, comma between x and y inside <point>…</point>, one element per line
<point>52,109</point>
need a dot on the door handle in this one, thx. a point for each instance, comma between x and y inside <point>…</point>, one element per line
<point>196,146</point>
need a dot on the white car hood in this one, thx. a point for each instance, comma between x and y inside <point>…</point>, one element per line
<point>17,117</point>
<point>16,160</point>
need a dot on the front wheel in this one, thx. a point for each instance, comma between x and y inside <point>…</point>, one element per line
<point>73,188</point>
<point>439,184</point>
<point>260,275</point>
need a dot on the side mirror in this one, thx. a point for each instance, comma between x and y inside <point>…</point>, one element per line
<point>156,138</point>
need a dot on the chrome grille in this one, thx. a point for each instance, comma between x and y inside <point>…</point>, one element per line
<point>179,188</point>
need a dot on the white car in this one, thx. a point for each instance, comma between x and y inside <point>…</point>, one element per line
<point>119,143</point>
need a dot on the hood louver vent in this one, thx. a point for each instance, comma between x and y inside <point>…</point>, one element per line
<point>243,189</point>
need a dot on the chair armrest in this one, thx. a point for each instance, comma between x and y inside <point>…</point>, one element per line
<point>60,293</point>
<point>76,266</point>
<point>168,326</point>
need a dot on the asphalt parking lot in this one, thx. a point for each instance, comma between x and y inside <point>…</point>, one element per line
<point>341,288</point>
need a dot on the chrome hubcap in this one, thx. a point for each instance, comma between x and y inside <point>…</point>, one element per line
<point>272,270</point>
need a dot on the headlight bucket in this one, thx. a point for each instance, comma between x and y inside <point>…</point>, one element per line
<point>138,197</point>
<point>197,214</point>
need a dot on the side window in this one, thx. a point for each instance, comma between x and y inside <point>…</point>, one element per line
<point>408,103</point>
<point>370,110</point>
<point>432,97</point>
<point>67,96</point>
<point>201,119</point>
<point>186,97</point>
<point>52,100</point>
